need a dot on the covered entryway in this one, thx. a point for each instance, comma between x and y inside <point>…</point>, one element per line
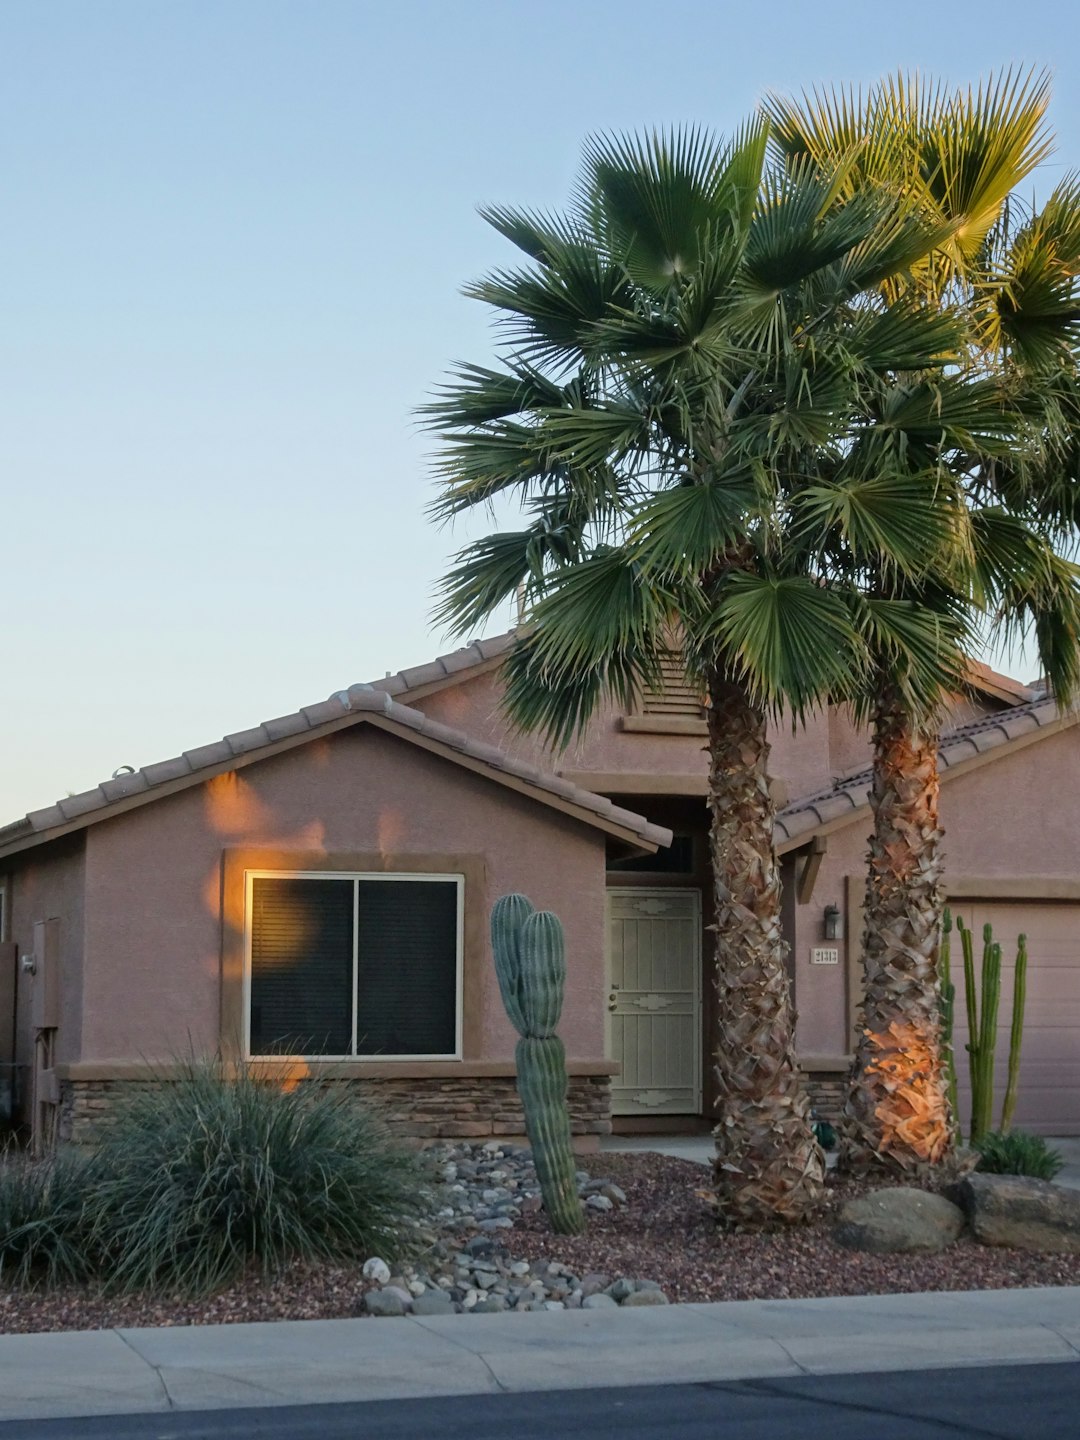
<point>1049,1094</point>
<point>654,1000</point>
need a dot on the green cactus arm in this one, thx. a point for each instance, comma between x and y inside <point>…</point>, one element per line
<point>543,972</point>
<point>991,987</point>
<point>508,915</point>
<point>947,1007</point>
<point>1016,1034</point>
<point>972,1005</point>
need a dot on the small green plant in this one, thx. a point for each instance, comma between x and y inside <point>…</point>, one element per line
<point>206,1174</point>
<point>42,1224</point>
<point>530,963</point>
<point>1016,1152</point>
<point>825,1134</point>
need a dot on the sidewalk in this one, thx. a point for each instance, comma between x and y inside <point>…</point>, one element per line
<point>109,1372</point>
<point>700,1148</point>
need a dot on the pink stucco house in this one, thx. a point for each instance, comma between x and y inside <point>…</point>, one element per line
<point>314,892</point>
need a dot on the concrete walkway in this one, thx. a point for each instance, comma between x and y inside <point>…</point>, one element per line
<point>113,1372</point>
<point>700,1148</point>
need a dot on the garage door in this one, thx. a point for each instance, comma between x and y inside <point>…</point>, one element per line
<point>1049,1094</point>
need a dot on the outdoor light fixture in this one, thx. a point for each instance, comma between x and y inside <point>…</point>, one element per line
<point>833,929</point>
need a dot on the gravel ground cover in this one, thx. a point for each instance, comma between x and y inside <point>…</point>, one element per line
<point>492,1248</point>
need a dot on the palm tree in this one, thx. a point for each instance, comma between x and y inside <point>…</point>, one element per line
<point>692,351</point>
<point>958,159</point>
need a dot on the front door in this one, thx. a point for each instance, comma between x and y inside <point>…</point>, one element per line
<point>654,1000</point>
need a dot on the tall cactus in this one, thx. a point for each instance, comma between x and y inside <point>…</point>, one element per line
<point>948,1016</point>
<point>530,962</point>
<point>982,1011</point>
<point>1016,1034</point>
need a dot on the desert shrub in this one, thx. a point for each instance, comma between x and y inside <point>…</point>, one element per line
<point>43,1235</point>
<point>206,1174</point>
<point>1016,1152</point>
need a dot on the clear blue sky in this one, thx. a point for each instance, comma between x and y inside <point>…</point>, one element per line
<point>234,238</point>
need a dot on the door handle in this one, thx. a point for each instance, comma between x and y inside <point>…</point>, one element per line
<point>612,1000</point>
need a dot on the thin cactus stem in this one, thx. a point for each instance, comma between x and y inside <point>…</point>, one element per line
<point>982,1112</point>
<point>971,1002</point>
<point>1016,1034</point>
<point>948,1014</point>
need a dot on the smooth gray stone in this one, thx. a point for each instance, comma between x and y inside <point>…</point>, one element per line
<point>599,1301</point>
<point>384,1303</point>
<point>899,1221</point>
<point>645,1297</point>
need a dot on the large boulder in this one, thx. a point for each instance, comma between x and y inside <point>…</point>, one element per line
<point>899,1220</point>
<point>1024,1213</point>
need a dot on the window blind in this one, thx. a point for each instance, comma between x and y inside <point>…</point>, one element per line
<point>301,966</point>
<point>305,934</point>
<point>407,968</point>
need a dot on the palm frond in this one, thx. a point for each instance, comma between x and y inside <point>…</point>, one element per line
<point>789,640</point>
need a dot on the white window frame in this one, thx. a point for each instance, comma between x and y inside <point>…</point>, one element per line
<point>357,877</point>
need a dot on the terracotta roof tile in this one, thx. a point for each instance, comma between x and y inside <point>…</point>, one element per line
<point>75,805</point>
<point>364,697</point>
<point>241,741</point>
<point>322,711</point>
<point>463,659</point>
<point>836,805</point>
<point>423,674</point>
<point>165,770</point>
<point>285,726</point>
<point>120,786</point>
<point>213,754</point>
<point>44,819</point>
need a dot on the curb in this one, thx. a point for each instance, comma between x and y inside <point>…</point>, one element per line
<point>114,1372</point>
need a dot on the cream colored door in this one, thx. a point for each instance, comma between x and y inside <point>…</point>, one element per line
<point>654,1000</point>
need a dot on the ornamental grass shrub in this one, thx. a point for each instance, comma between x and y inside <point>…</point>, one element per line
<point>43,1225</point>
<point>200,1177</point>
<point>1017,1152</point>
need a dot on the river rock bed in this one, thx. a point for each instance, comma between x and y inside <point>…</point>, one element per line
<point>489,1190</point>
<point>666,1234</point>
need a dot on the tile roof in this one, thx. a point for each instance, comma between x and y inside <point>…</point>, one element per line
<point>444,668</point>
<point>355,705</point>
<point>810,812</point>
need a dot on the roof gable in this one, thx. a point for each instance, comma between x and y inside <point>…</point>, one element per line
<point>360,704</point>
<point>991,736</point>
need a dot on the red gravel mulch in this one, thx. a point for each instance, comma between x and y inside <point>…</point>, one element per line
<point>666,1233</point>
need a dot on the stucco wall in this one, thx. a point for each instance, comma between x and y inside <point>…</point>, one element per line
<point>45,885</point>
<point>153,881</point>
<point>1015,816</point>
<point>800,757</point>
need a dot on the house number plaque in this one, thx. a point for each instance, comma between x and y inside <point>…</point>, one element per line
<point>824,955</point>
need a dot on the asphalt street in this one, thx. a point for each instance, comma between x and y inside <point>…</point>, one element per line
<point>1022,1402</point>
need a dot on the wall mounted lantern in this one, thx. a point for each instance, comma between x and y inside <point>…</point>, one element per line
<point>834,929</point>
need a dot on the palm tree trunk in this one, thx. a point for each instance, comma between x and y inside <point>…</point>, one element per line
<point>897,1111</point>
<point>769,1168</point>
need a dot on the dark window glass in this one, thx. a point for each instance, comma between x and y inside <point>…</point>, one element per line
<point>301,966</point>
<point>407,976</point>
<point>675,859</point>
